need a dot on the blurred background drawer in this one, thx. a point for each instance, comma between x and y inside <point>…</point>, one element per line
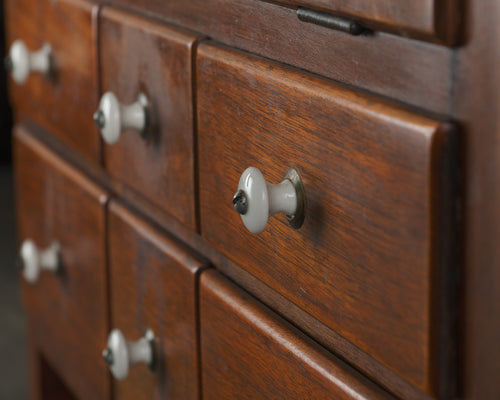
<point>142,57</point>
<point>367,261</point>
<point>67,309</point>
<point>436,20</point>
<point>249,353</point>
<point>63,100</point>
<point>154,286</point>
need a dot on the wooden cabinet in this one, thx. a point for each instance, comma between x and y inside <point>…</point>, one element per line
<point>388,289</point>
<point>139,56</point>
<point>153,286</point>
<point>68,309</point>
<point>431,19</point>
<point>62,101</point>
<point>368,259</point>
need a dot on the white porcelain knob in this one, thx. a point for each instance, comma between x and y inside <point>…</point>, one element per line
<point>121,354</point>
<point>256,200</point>
<point>34,260</point>
<point>112,117</point>
<point>20,62</point>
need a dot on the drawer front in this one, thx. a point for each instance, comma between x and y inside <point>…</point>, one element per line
<point>153,286</point>
<point>249,353</point>
<point>430,19</point>
<point>141,56</point>
<point>366,261</point>
<point>64,101</point>
<point>67,311</point>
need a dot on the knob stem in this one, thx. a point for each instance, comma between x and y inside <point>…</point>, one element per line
<point>282,198</point>
<point>133,116</point>
<point>141,351</point>
<point>40,60</point>
<point>49,258</point>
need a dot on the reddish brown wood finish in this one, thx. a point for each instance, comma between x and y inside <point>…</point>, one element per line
<point>430,19</point>
<point>141,56</point>
<point>63,103</point>
<point>476,104</point>
<point>154,285</point>
<point>413,72</point>
<point>68,313</point>
<point>249,353</point>
<point>52,386</point>
<point>367,260</point>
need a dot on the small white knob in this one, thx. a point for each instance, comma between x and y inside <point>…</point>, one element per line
<point>256,200</point>
<point>34,260</point>
<point>112,117</point>
<point>121,354</point>
<point>21,62</point>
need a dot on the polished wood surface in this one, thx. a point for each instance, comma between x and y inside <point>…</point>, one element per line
<point>249,353</point>
<point>141,56</point>
<point>154,285</point>
<point>417,73</point>
<point>476,104</point>
<point>456,83</point>
<point>67,312</point>
<point>64,102</point>
<point>429,19</point>
<point>367,261</point>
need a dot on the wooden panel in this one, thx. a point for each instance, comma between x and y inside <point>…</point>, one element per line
<point>140,56</point>
<point>368,259</point>
<point>67,313</point>
<point>64,103</point>
<point>153,285</point>
<point>429,19</point>
<point>249,353</point>
<point>417,73</point>
<point>476,104</point>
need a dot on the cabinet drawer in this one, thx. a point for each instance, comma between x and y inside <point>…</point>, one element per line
<point>67,310</point>
<point>153,286</point>
<point>139,56</point>
<point>430,19</point>
<point>249,353</point>
<point>63,101</point>
<point>368,258</point>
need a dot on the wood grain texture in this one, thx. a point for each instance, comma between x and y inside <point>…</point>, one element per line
<point>141,56</point>
<point>63,103</point>
<point>413,72</point>
<point>367,260</point>
<point>324,335</point>
<point>68,313</point>
<point>154,285</point>
<point>249,353</point>
<point>476,104</point>
<point>430,19</point>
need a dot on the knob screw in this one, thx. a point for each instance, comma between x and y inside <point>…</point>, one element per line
<point>7,62</point>
<point>240,202</point>
<point>99,119</point>
<point>107,354</point>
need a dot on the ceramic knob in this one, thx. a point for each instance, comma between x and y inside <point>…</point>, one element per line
<point>256,200</point>
<point>20,62</point>
<point>121,354</point>
<point>112,117</point>
<point>34,260</point>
